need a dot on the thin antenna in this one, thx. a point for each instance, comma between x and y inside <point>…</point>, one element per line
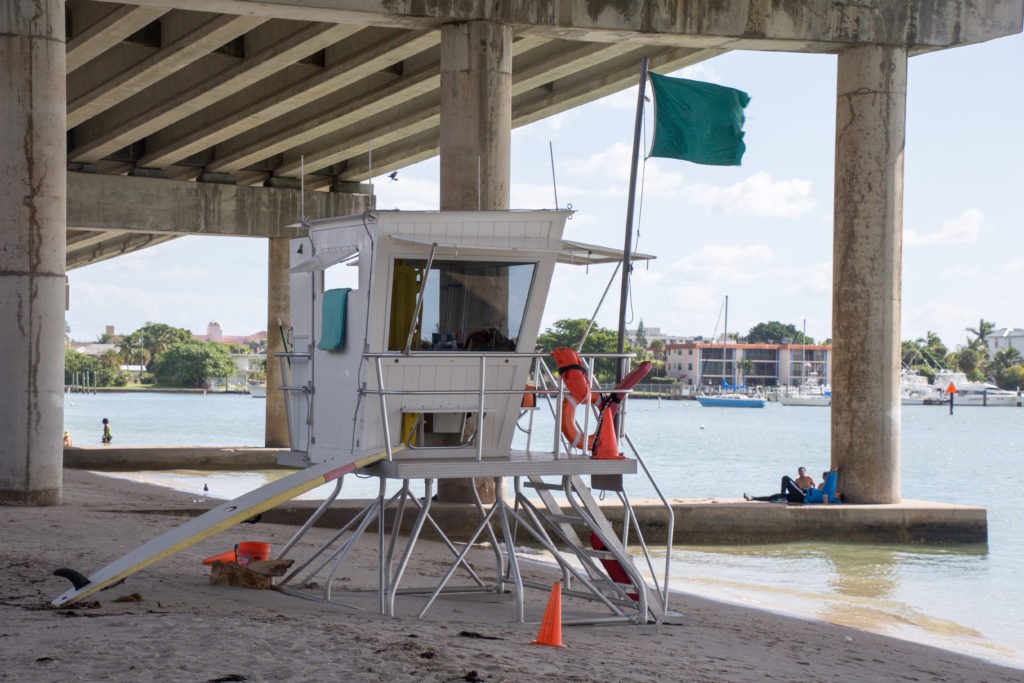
<point>479,199</point>
<point>369,164</point>
<point>302,189</point>
<point>551,152</point>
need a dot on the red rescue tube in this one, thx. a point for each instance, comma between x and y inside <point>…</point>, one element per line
<point>613,399</point>
<point>603,443</point>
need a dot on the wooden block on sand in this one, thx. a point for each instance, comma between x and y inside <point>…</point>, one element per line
<point>258,575</point>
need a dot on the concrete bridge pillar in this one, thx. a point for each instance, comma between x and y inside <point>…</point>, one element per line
<point>476,115</point>
<point>32,246</point>
<point>867,252</point>
<point>476,142</point>
<point>278,318</point>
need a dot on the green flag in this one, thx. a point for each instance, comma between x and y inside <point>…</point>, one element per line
<point>698,122</point>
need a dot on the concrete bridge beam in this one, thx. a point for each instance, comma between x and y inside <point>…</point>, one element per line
<point>32,208</point>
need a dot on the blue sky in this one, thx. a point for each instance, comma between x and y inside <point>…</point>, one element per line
<point>760,233</point>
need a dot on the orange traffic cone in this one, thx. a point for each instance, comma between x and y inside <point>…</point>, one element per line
<point>607,447</point>
<point>226,556</point>
<point>551,625</point>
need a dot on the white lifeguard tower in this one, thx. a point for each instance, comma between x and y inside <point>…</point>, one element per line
<point>424,370</point>
<point>426,361</point>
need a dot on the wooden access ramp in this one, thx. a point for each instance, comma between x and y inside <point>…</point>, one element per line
<point>214,521</point>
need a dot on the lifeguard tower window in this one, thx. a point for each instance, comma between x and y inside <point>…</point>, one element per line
<point>467,305</point>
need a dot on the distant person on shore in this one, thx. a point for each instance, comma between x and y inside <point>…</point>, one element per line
<point>107,436</point>
<point>67,440</point>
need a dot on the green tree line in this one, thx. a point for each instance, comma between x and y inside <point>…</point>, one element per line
<point>171,356</point>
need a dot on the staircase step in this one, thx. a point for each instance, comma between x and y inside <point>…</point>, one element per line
<point>563,519</point>
<point>544,486</point>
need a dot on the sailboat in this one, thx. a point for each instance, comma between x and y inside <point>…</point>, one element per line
<point>810,392</point>
<point>731,395</point>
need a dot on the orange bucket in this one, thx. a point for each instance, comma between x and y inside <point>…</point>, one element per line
<point>251,551</point>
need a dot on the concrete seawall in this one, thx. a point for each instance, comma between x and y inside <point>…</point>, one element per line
<point>696,522</point>
<point>120,459</point>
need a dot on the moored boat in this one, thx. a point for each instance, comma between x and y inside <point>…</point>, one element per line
<point>802,398</point>
<point>915,390</point>
<point>968,393</point>
<point>809,393</point>
<point>731,401</point>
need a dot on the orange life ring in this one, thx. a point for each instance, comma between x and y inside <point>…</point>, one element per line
<point>573,374</point>
<point>603,443</point>
<point>570,431</point>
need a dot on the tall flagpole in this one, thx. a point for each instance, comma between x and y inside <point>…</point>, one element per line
<point>628,248</point>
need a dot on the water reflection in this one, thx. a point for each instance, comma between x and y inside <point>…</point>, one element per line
<point>938,595</point>
<point>880,588</point>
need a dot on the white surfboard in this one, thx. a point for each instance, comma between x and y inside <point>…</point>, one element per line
<point>214,521</point>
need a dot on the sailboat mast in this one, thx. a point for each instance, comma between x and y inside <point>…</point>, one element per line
<point>803,355</point>
<point>628,248</point>
<point>725,344</point>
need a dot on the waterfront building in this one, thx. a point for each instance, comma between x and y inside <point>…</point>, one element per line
<point>695,363</point>
<point>1004,338</point>
<point>653,333</point>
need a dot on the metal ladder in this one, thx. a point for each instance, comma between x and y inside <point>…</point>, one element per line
<point>587,572</point>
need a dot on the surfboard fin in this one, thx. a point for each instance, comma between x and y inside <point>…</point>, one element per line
<point>77,579</point>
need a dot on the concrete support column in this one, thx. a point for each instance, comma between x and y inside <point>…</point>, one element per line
<point>476,142</point>
<point>278,318</point>
<point>32,244</point>
<point>867,252</point>
<point>476,115</point>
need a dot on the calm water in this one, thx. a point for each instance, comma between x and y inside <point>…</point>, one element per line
<point>963,598</point>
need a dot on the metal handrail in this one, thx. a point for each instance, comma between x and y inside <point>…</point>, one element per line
<point>480,390</point>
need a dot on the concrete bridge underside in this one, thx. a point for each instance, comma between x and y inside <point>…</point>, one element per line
<point>131,123</point>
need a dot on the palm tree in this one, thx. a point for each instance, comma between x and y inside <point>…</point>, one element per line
<point>979,346</point>
<point>980,340</point>
<point>746,365</point>
<point>658,348</point>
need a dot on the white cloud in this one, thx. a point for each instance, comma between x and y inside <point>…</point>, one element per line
<point>725,263</point>
<point>611,162</point>
<point>409,193</point>
<point>963,229</point>
<point>799,281</point>
<point>702,71</point>
<point>961,271</point>
<point>1012,267</point>
<point>760,196</point>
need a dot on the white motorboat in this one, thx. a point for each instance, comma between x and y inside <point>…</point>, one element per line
<point>915,390</point>
<point>803,398</point>
<point>809,393</point>
<point>968,393</point>
<point>257,389</point>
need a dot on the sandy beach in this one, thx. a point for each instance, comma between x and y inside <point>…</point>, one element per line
<point>168,623</point>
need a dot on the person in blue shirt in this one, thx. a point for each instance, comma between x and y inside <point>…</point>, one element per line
<point>826,491</point>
